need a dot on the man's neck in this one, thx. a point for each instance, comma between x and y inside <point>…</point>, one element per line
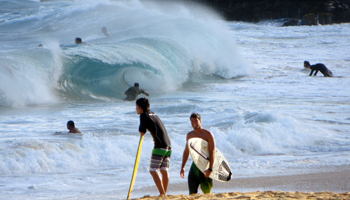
<point>198,130</point>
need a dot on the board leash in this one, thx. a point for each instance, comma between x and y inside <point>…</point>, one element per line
<point>200,153</point>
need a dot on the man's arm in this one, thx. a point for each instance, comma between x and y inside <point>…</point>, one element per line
<point>144,92</point>
<point>211,147</point>
<point>142,127</point>
<point>312,71</point>
<point>315,72</point>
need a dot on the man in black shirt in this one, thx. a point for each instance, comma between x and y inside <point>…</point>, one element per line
<point>162,146</point>
<point>318,67</point>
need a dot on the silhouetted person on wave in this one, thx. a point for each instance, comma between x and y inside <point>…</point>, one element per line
<point>318,67</point>
<point>133,92</point>
<point>105,32</point>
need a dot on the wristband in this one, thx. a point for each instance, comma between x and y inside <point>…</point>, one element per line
<point>210,169</point>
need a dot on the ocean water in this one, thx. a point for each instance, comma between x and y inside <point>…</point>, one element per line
<point>246,80</point>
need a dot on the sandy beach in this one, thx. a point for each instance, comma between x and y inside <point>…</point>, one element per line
<point>333,184</point>
<point>259,195</point>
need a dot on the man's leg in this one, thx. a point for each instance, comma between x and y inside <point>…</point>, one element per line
<point>193,179</point>
<point>165,180</point>
<point>330,73</point>
<point>164,168</point>
<point>156,162</point>
<point>158,182</point>
<point>205,183</point>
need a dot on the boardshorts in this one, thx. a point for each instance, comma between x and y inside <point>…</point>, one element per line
<point>160,160</point>
<point>196,178</point>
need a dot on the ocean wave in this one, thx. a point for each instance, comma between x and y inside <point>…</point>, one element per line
<point>148,44</point>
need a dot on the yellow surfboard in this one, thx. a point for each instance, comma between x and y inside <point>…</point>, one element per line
<point>137,160</point>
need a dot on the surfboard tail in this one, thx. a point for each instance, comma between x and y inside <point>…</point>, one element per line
<point>225,173</point>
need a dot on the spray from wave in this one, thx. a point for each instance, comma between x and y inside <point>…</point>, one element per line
<point>161,45</point>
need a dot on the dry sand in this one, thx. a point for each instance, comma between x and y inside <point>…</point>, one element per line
<point>258,195</point>
<point>334,184</point>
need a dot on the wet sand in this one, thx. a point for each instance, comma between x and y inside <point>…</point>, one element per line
<point>333,184</point>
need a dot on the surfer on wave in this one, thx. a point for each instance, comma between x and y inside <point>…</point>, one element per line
<point>133,92</point>
<point>105,32</point>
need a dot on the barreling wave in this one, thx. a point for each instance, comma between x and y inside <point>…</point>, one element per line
<point>107,70</point>
<point>149,43</point>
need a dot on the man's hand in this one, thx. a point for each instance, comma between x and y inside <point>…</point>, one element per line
<point>207,173</point>
<point>182,173</point>
<point>142,133</point>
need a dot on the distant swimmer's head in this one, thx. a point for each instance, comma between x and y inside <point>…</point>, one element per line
<point>306,64</point>
<point>104,31</point>
<point>78,40</point>
<point>143,103</point>
<point>136,85</point>
<point>40,45</point>
<point>70,125</point>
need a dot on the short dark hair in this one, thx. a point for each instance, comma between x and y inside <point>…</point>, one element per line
<point>195,115</point>
<point>307,63</point>
<point>144,104</point>
<point>78,39</point>
<point>136,85</point>
<point>71,124</point>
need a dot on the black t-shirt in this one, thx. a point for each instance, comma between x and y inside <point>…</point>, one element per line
<point>319,67</point>
<point>151,122</point>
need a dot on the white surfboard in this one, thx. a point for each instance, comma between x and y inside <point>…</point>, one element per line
<point>200,155</point>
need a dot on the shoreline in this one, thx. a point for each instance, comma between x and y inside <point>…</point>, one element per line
<point>331,184</point>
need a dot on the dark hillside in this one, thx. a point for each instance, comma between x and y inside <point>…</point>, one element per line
<point>304,12</point>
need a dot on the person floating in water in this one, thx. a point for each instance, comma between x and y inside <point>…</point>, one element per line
<point>133,92</point>
<point>78,40</point>
<point>104,31</point>
<point>161,152</point>
<point>318,67</point>
<point>71,127</point>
